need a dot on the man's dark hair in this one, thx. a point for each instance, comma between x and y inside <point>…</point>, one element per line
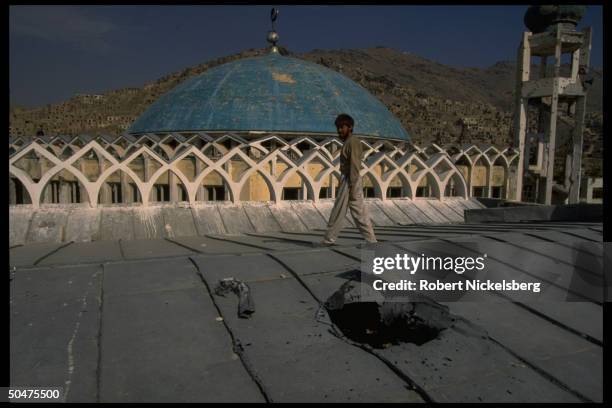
<point>344,119</point>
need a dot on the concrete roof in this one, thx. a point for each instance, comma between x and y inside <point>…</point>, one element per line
<point>138,321</point>
<point>271,93</point>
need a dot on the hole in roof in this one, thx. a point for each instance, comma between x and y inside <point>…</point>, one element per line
<point>385,324</point>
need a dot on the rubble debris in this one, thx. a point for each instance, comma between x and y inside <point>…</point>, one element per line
<point>246,305</point>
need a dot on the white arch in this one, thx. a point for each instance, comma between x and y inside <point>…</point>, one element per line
<point>396,158</point>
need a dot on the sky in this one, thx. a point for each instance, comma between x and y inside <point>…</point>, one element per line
<point>56,52</point>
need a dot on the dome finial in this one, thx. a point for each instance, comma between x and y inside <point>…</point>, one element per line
<point>273,35</point>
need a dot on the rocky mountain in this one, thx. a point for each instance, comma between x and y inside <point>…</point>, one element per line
<point>435,102</point>
<point>447,104</point>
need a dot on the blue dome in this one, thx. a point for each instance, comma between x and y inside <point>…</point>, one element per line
<point>271,93</point>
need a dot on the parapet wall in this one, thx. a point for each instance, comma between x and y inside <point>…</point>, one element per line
<point>80,223</point>
<point>150,169</point>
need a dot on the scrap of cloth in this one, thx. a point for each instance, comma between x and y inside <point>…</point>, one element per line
<point>246,306</point>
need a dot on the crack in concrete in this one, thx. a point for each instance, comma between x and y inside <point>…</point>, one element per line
<point>68,381</point>
<point>553,321</point>
<point>542,372</point>
<point>563,244</point>
<point>544,255</point>
<point>336,332</point>
<point>581,237</point>
<point>99,339</point>
<point>197,251</point>
<point>519,270</point>
<point>238,242</point>
<point>237,346</point>
<point>69,348</point>
<point>537,313</point>
<point>52,252</point>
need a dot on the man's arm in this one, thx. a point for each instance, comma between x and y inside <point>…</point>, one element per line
<point>355,165</point>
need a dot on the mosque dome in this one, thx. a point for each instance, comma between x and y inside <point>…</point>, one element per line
<point>270,93</point>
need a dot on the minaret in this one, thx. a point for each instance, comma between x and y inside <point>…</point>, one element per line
<point>273,35</point>
<point>552,34</point>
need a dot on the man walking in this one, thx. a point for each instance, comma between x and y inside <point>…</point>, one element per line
<point>350,192</point>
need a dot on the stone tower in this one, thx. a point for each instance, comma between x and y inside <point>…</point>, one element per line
<point>552,33</point>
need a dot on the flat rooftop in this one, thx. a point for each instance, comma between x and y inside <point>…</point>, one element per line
<point>138,321</point>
